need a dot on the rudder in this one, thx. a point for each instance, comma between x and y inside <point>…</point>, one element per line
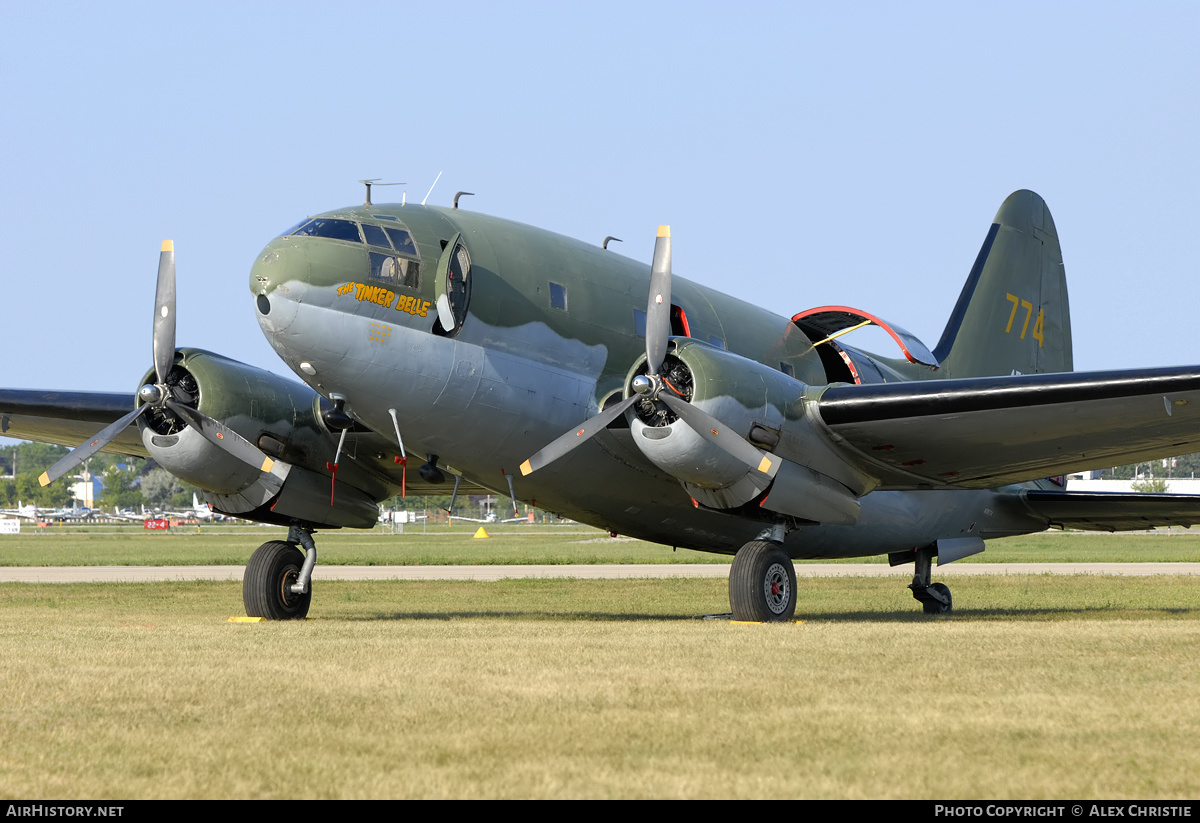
<point>1012,316</point>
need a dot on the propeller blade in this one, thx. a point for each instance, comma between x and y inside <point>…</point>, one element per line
<point>658,307</point>
<point>715,432</point>
<point>223,437</point>
<point>164,313</point>
<point>86,450</point>
<point>573,438</point>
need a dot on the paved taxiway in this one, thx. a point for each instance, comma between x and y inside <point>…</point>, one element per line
<point>144,574</point>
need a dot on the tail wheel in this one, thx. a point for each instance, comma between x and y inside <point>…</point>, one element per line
<point>266,586</point>
<point>945,606</point>
<point>762,584</point>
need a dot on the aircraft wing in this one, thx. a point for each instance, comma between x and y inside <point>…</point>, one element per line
<point>1113,511</point>
<point>68,418</point>
<point>991,431</point>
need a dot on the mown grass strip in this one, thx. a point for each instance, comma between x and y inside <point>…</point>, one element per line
<point>206,545</point>
<point>1038,687</point>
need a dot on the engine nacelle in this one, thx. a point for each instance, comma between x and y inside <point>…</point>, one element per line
<point>277,415</point>
<point>763,406</point>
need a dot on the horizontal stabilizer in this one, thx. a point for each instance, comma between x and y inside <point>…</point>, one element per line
<point>1114,511</point>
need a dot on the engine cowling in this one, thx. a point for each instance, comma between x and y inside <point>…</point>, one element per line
<point>277,415</point>
<point>765,407</point>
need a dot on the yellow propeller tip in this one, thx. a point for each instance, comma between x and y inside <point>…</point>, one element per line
<point>168,245</point>
<point>664,231</point>
<point>44,479</point>
<point>526,468</point>
<point>267,464</point>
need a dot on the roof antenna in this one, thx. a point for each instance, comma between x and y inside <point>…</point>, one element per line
<point>439,177</point>
<point>460,194</point>
<point>374,181</point>
<point>604,245</point>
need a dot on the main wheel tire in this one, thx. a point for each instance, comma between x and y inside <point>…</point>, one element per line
<point>934,607</point>
<point>266,586</point>
<point>762,584</point>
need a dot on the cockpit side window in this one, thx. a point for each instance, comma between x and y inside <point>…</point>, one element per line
<point>401,240</point>
<point>375,236</point>
<point>330,228</point>
<point>396,270</point>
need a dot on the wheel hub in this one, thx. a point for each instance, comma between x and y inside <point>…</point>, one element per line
<point>777,588</point>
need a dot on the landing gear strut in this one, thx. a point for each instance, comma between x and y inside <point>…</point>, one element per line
<point>935,597</point>
<point>277,584</point>
<point>762,581</point>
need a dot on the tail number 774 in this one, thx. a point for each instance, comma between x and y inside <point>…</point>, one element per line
<point>1028,307</point>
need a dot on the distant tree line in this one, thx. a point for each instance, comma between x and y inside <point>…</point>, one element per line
<point>129,482</point>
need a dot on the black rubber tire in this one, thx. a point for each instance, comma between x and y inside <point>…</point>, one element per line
<point>762,584</point>
<point>274,567</point>
<point>933,607</point>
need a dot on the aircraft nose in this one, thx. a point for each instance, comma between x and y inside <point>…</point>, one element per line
<point>280,264</point>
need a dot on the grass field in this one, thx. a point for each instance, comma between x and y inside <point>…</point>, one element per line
<point>217,545</point>
<point>1038,686</point>
<point>1059,688</point>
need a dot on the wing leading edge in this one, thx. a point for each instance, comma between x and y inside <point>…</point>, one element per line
<point>68,418</point>
<point>991,431</point>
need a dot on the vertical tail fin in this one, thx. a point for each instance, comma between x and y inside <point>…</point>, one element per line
<point>1012,316</point>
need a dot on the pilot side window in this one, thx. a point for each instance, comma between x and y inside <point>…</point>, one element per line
<point>375,236</point>
<point>395,270</point>
<point>392,268</point>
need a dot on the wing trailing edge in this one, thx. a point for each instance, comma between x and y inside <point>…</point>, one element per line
<point>991,431</point>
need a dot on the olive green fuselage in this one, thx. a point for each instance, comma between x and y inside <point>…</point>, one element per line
<point>544,331</point>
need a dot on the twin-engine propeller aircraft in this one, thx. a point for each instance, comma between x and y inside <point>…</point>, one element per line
<point>525,362</point>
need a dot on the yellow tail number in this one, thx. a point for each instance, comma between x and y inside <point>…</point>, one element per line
<point>1038,331</point>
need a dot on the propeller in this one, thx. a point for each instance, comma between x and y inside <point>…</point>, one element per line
<point>158,395</point>
<point>653,385</point>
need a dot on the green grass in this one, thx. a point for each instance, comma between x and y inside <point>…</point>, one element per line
<point>1037,687</point>
<point>216,545</point>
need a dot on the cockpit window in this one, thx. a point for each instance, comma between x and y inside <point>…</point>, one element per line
<point>401,240</point>
<point>295,228</point>
<point>375,236</point>
<point>330,228</point>
<point>396,270</point>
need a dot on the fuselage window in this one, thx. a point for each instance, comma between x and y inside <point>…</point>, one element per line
<point>639,322</point>
<point>558,296</point>
<point>787,369</point>
<point>331,229</point>
<point>716,341</point>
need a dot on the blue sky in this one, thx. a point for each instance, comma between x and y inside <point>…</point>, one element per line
<point>803,153</point>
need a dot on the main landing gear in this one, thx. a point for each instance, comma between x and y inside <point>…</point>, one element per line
<point>762,581</point>
<point>278,580</point>
<point>935,597</point>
